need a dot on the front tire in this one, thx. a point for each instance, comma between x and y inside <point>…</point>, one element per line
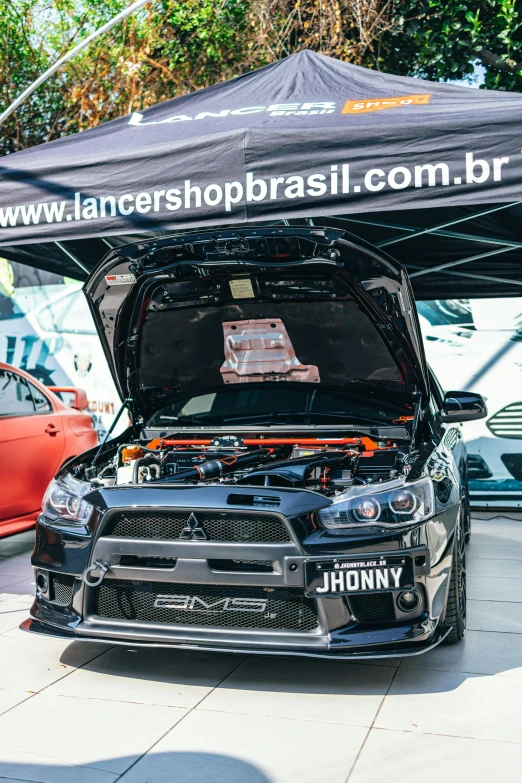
<point>456,605</point>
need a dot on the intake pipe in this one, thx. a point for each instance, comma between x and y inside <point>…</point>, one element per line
<point>297,471</point>
<point>215,468</point>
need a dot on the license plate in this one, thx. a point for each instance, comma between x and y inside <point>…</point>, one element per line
<point>342,576</point>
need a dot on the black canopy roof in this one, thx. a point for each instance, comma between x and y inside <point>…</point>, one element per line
<point>432,172</point>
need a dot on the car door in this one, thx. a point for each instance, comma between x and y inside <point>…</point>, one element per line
<point>31,445</point>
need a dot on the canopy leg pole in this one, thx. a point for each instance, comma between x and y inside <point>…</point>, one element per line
<point>477,276</point>
<point>72,257</point>
<point>463,261</point>
<point>395,240</point>
<point>476,238</point>
<point>374,223</point>
<point>78,48</point>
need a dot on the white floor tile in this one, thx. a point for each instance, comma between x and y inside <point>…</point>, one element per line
<point>395,757</point>
<point>21,587</point>
<point>7,580</point>
<point>326,691</point>
<point>480,652</point>
<point>17,597</point>
<point>11,615</point>
<point>452,703</point>
<point>482,568</point>
<point>494,589</point>
<point>104,735</point>
<point>16,566</point>
<point>504,552</point>
<point>503,534</point>
<point>500,616</point>
<point>9,699</point>
<point>29,663</point>
<point>169,677</point>
<point>228,748</point>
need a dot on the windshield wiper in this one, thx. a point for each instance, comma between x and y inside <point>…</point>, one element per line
<point>343,415</point>
<point>187,419</point>
<point>306,414</point>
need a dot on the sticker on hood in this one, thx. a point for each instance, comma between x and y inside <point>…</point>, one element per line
<point>120,279</point>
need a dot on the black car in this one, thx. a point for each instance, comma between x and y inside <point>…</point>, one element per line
<point>293,481</point>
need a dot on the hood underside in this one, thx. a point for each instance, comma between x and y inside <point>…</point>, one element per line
<point>198,312</point>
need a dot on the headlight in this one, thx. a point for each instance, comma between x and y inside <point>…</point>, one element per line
<point>64,499</point>
<point>387,505</point>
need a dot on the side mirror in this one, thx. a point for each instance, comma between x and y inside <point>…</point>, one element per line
<point>79,396</point>
<point>463,406</point>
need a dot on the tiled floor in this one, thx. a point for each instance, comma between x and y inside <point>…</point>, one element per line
<point>85,713</point>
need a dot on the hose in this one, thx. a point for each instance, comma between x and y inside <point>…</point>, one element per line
<point>216,468</point>
<point>143,461</point>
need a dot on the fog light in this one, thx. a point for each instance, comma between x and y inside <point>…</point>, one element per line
<point>408,601</point>
<point>41,582</point>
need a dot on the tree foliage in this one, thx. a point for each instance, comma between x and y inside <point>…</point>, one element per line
<point>444,39</point>
<point>170,48</point>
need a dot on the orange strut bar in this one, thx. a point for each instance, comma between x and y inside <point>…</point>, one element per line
<point>368,443</point>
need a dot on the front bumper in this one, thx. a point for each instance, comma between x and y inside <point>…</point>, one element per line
<point>339,632</point>
<point>404,649</point>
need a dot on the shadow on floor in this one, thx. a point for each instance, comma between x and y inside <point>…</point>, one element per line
<point>19,544</point>
<point>185,767</point>
<point>276,676</point>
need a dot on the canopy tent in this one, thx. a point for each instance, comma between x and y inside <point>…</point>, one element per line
<point>430,172</point>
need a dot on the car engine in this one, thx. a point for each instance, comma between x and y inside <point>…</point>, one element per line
<point>327,465</point>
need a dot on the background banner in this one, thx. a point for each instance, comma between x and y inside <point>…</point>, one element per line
<point>304,136</point>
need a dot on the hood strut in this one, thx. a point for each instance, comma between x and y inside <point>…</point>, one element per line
<point>416,416</point>
<point>125,404</point>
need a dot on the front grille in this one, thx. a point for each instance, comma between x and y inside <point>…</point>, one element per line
<point>513,463</point>
<point>285,609</point>
<point>507,423</point>
<point>61,587</point>
<point>243,566</point>
<point>217,526</point>
<point>377,608</point>
<point>137,561</point>
<point>451,438</point>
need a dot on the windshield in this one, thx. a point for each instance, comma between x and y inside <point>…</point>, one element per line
<point>68,314</point>
<point>283,403</point>
<point>58,308</point>
<point>445,312</point>
<point>477,314</point>
<point>495,315</point>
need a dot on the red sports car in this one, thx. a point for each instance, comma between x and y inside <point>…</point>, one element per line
<point>38,433</point>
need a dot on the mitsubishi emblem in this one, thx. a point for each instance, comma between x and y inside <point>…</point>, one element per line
<point>193,529</point>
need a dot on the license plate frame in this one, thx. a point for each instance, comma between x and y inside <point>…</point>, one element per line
<point>389,581</point>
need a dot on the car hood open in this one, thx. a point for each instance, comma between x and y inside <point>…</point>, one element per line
<point>197,311</point>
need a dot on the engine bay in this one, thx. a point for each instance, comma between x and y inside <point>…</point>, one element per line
<point>328,464</point>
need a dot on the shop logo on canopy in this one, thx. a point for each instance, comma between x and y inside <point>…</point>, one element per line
<point>378,104</point>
